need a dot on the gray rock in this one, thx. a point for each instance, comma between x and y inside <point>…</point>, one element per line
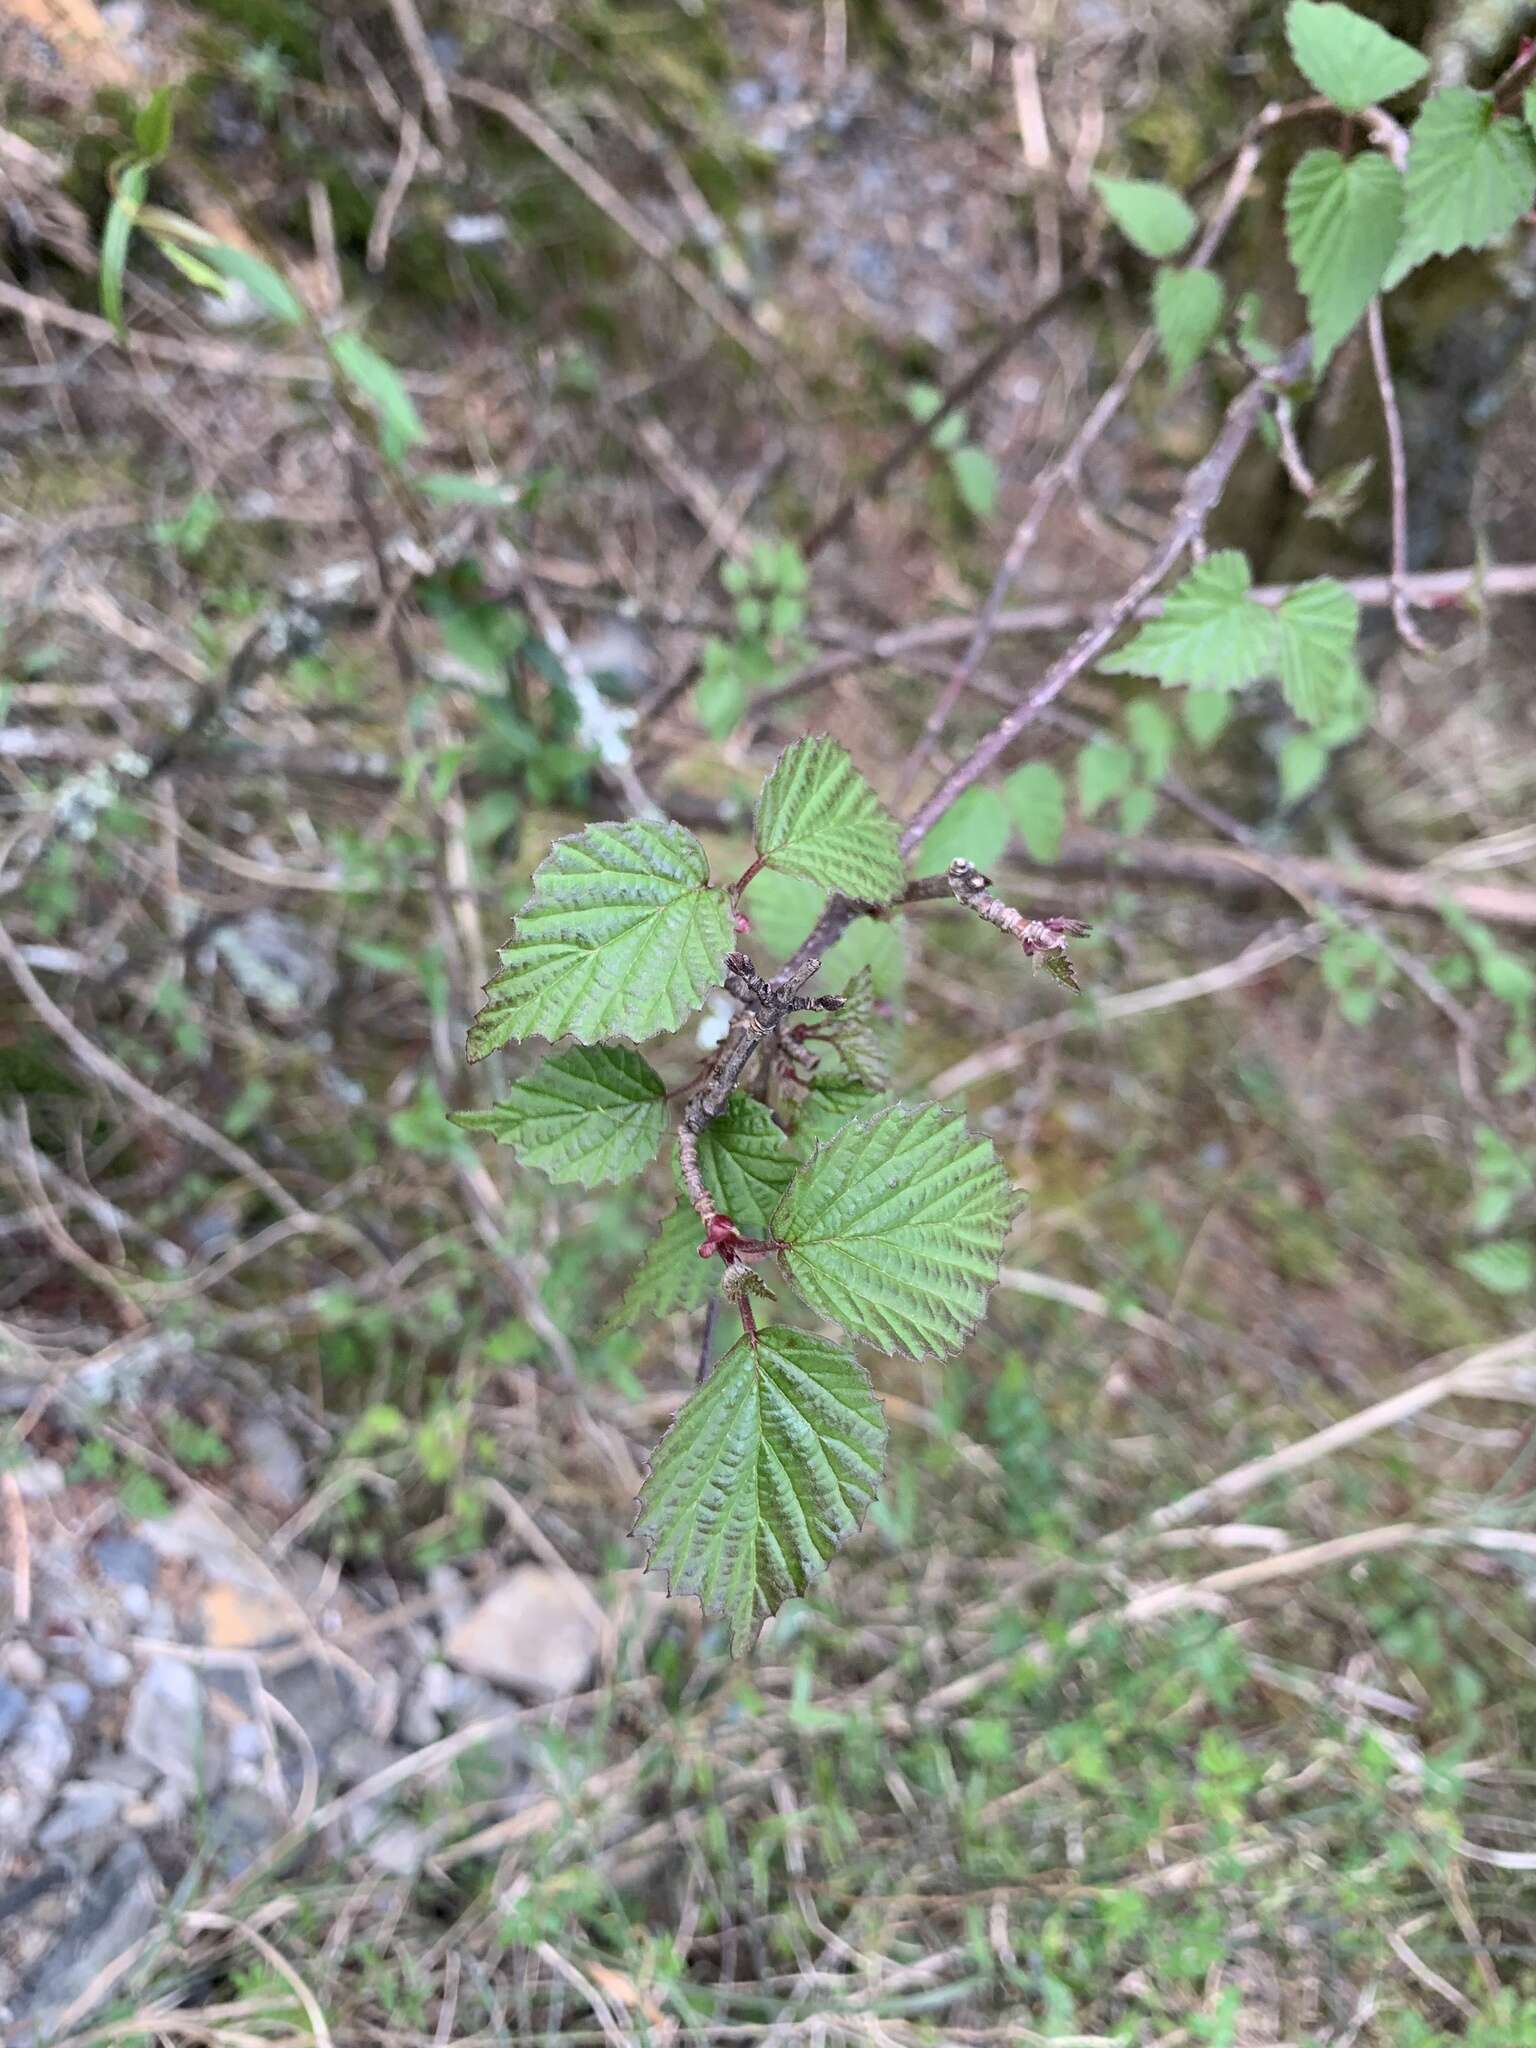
<point>105,1667</point>
<point>86,1807</point>
<point>274,1463</point>
<point>13,1704</point>
<point>242,1825</point>
<point>533,1631</point>
<point>117,1908</point>
<point>32,1770</point>
<point>390,1843</point>
<point>126,1561</point>
<point>164,1725</point>
<point>21,1663</point>
<point>39,1479</point>
<point>71,1697</point>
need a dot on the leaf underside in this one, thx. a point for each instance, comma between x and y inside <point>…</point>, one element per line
<point>896,1226</point>
<point>671,1275</point>
<point>1186,307</point>
<point>1342,223</point>
<point>817,817</point>
<point>767,1469</point>
<point>621,937</point>
<point>592,1114</point>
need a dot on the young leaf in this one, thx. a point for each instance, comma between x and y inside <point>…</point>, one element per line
<point>855,1031</point>
<point>975,478</point>
<point>621,938</point>
<point>1151,216</point>
<point>671,1275</point>
<point>1471,175</point>
<point>1211,633</point>
<point>152,126</point>
<point>592,1114</point>
<point>1153,734</point>
<point>768,1468</point>
<point>1348,59</point>
<point>1504,1267</point>
<point>1315,643</point>
<point>1186,307</point>
<point>263,283</point>
<point>896,1226</point>
<point>975,826</point>
<point>817,817</point>
<point>1342,222</point>
<point>380,384</point>
<point>1105,770</point>
<point>746,1163</point>
<point>118,232</point>
<point>1303,764</point>
<point>830,1101</point>
<point>1035,798</point>
<point>449,487</point>
<point>1205,714</point>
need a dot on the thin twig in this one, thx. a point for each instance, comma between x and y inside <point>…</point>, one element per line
<point>1397,461</point>
<point>1068,472</point>
<point>434,89</point>
<point>1201,493</point>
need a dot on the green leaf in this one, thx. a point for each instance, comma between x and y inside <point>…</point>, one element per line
<point>896,1226</point>
<point>1151,216</point>
<point>857,1034</point>
<point>448,487</point>
<point>671,1276</point>
<point>1210,635</point>
<point>974,828</point>
<point>1137,809</point>
<point>818,818</point>
<point>1342,223</point>
<point>1153,734</point>
<point>379,383</point>
<point>830,1101</point>
<point>590,1115</point>
<point>263,283</point>
<point>1105,770</point>
<point>875,943</point>
<point>1303,764</point>
<point>621,937</point>
<point>1348,59</point>
<point>1471,175</point>
<point>746,1163</point>
<point>152,126</point>
<point>768,1468</point>
<point>780,911</point>
<point>1035,798</point>
<point>720,694</point>
<point>1186,308</point>
<point>975,476</point>
<point>116,235</point>
<point>1205,714</point>
<point>1504,1267</point>
<point>1315,640</point>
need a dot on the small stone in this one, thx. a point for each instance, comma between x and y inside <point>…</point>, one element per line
<point>236,1618</point>
<point>21,1663</point>
<point>39,1479</point>
<point>359,1755</point>
<point>72,1698</point>
<point>281,963</point>
<point>448,1590</point>
<point>33,1768</point>
<point>131,1772</point>
<point>242,1825</point>
<point>13,1704</point>
<point>86,1806</point>
<point>164,1725</point>
<point>105,1667</point>
<point>119,1907</point>
<point>533,1631</point>
<point>392,1844</point>
<point>125,1561</point>
<point>274,1464</point>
